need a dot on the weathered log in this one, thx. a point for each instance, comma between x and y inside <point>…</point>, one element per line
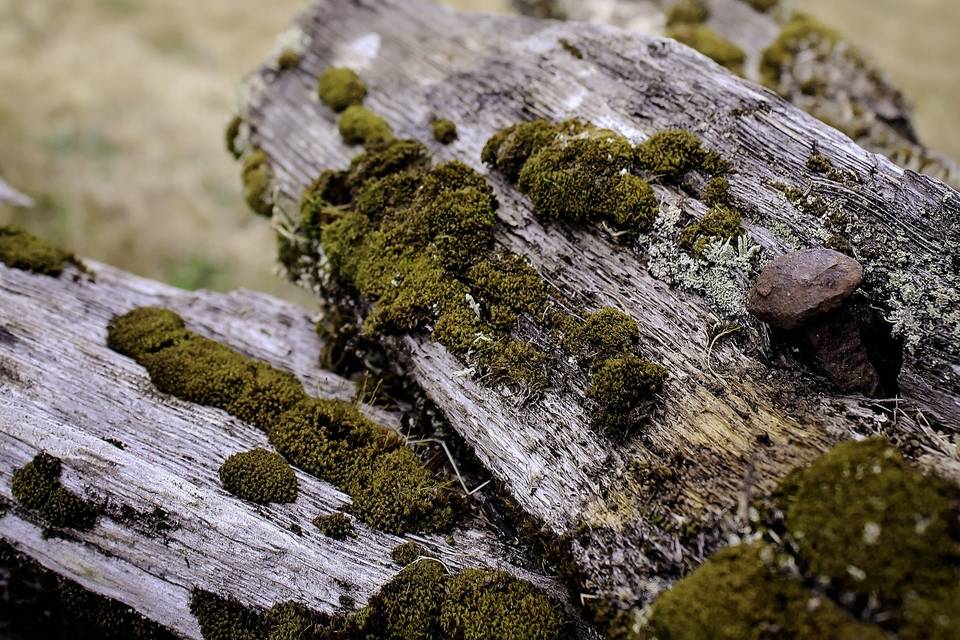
<point>731,420</point>
<point>150,460</point>
<point>854,95</point>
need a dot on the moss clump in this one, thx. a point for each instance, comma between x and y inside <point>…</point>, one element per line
<point>494,605</point>
<point>340,88</point>
<point>225,619</point>
<point>619,385</point>
<point>506,287</point>
<point>257,178</point>
<point>36,486</point>
<point>670,154</point>
<point>259,476</point>
<point>687,12</point>
<point>735,594</point>
<point>719,223</point>
<point>20,249</point>
<point>359,125</point>
<point>574,172</point>
<point>336,525</point>
<point>231,134</point>
<point>711,44</point>
<point>288,59</point>
<point>763,6</point>
<point>800,33</point>
<point>605,334</point>
<point>444,131</point>
<point>294,621</point>
<point>407,553</point>
<point>408,607</point>
<point>391,489</point>
<point>867,524</point>
<point>717,192</point>
<point>819,163</point>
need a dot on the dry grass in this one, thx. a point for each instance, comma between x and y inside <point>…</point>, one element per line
<point>112,112</point>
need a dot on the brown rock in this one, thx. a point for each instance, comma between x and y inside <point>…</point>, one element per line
<point>800,286</point>
<point>837,347</point>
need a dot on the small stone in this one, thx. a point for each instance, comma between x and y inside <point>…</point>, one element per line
<point>802,285</point>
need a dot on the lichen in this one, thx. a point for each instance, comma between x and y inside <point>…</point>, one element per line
<point>711,44</point>
<point>340,88</point>
<point>36,486</point>
<point>259,476</point>
<point>335,525</point>
<point>444,131</point>
<point>359,125</point>
<point>739,593</point>
<point>407,553</point>
<point>865,523</point>
<point>391,489</point>
<point>257,178</point>
<point>687,12</point>
<point>20,249</point>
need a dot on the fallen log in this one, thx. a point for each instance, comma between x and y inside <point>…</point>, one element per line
<point>149,462</point>
<point>734,416</point>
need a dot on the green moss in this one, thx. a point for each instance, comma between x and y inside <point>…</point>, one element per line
<point>866,523</point>
<point>687,12</point>
<point>333,440</point>
<point>719,223</point>
<point>494,605</point>
<point>408,607</point>
<point>670,154</point>
<point>522,364</point>
<point>506,286</point>
<point>407,553</point>
<point>288,59</point>
<point>340,88</point>
<point>257,179</point>
<point>604,334</point>
<point>336,525</point>
<point>231,134</point>
<point>619,385</point>
<point>359,125</point>
<point>800,33</point>
<point>717,192</point>
<point>444,131</point>
<point>763,6</point>
<point>225,619</point>
<point>711,44</point>
<point>819,163</point>
<point>736,595</point>
<point>571,48</point>
<point>20,249</point>
<point>295,621</point>
<point>259,476</point>
<point>36,486</point>
<point>574,172</point>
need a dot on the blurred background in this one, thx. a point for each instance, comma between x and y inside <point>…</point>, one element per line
<point>112,115</point>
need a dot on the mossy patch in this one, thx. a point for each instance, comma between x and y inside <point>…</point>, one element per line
<point>721,222</point>
<point>622,384</point>
<point>257,176</point>
<point>687,12</point>
<point>574,172</point>
<point>422,602</point>
<point>359,125</point>
<point>335,525</point>
<point>672,153</point>
<point>444,131</point>
<point>36,486</point>
<point>20,249</point>
<point>391,489</point>
<point>571,48</point>
<point>738,594</point>
<point>711,44</point>
<point>231,134</point>
<point>407,553</point>
<point>259,476</point>
<point>866,524</point>
<point>340,88</point>
<point>763,6</point>
<point>800,33</point>
<point>288,59</point>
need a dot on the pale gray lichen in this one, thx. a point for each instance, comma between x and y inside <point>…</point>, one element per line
<point>721,272</point>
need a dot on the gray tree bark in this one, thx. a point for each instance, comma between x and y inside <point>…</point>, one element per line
<point>732,419</point>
